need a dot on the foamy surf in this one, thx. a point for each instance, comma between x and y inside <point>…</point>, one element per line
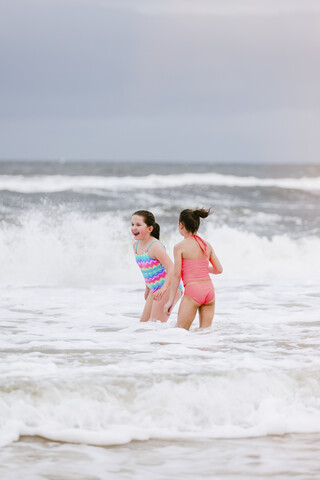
<point>80,247</point>
<point>178,400</point>
<point>79,372</point>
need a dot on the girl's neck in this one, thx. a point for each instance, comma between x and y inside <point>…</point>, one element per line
<point>143,243</point>
<point>188,235</point>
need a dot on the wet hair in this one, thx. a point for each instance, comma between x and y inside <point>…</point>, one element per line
<point>191,218</point>
<point>149,220</point>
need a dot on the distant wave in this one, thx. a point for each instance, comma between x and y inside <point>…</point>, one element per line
<point>59,183</point>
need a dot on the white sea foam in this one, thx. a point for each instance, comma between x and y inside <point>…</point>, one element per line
<point>78,249</point>
<point>248,255</point>
<point>68,249</point>
<point>106,380</point>
<point>107,414</point>
<point>58,183</point>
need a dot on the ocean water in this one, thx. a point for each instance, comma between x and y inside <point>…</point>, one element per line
<point>88,393</point>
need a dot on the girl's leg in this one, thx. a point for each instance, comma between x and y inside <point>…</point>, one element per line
<point>206,313</point>
<point>187,311</point>
<point>147,308</point>
<point>157,312</point>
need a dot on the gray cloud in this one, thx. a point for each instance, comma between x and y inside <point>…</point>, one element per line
<point>210,7</point>
<point>90,78</point>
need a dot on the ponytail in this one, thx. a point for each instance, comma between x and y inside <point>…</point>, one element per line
<point>156,230</point>
<point>201,212</point>
<point>191,218</point>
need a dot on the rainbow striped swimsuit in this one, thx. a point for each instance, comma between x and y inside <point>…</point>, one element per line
<point>154,273</point>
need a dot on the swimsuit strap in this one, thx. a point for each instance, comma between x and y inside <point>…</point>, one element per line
<point>154,242</point>
<point>136,249</point>
<point>202,244</point>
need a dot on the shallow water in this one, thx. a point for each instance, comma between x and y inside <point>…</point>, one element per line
<point>281,457</point>
<point>88,392</point>
<point>88,373</point>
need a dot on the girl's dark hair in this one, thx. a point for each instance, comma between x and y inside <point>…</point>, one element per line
<point>191,218</point>
<point>149,220</point>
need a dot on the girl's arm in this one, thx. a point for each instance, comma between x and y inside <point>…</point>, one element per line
<point>216,267</point>
<point>158,251</point>
<point>146,293</point>
<point>176,277</point>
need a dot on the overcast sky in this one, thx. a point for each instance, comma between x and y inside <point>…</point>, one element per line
<point>201,80</point>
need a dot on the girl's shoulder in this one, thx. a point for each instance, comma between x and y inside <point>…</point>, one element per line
<point>208,243</point>
<point>180,245</point>
<point>157,250</point>
<point>209,247</point>
<point>156,245</point>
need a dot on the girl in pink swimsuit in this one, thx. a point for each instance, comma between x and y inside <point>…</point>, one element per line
<point>191,263</point>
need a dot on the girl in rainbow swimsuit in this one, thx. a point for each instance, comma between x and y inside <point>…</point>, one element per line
<point>191,263</point>
<point>155,265</point>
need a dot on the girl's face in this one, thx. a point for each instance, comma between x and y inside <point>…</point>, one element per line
<point>139,228</point>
